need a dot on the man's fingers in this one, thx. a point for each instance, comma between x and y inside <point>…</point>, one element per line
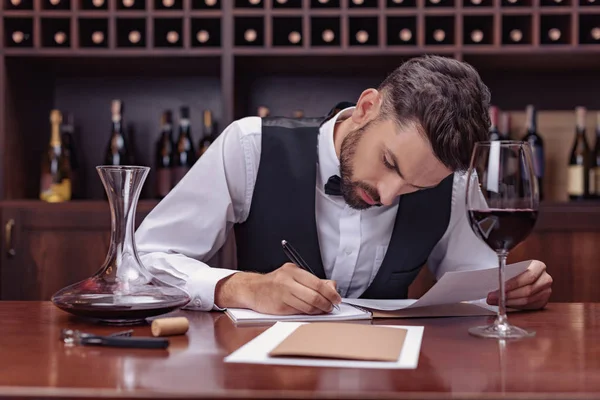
<point>532,302</point>
<point>543,283</point>
<point>318,285</point>
<point>311,297</point>
<point>302,306</point>
<point>530,275</point>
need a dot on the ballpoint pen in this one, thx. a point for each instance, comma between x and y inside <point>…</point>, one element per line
<point>297,259</point>
<point>119,339</point>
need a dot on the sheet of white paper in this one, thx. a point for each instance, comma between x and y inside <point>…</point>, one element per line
<point>346,312</point>
<point>453,287</point>
<point>257,350</point>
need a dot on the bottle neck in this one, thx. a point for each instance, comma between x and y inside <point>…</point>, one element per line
<point>117,126</point>
<point>184,127</point>
<point>55,140</point>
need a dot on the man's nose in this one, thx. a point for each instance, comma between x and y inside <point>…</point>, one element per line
<point>389,190</point>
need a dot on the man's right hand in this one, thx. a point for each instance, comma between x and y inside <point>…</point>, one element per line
<point>287,290</point>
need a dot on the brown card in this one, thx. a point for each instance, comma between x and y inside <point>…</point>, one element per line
<point>343,341</point>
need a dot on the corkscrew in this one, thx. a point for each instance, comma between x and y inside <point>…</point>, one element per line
<point>118,339</point>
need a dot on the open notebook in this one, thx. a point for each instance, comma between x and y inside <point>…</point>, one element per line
<point>458,293</point>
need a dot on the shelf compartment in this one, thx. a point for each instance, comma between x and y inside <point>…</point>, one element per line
<point>131,32</point>
<point>287,31</point>
<point>555,29</point>
<point>18,32</point>
<point>18,4</point>
<point>93,33</point>
<point>283,4</point>
<point>206,32</point>
<point>439,30</point>
<point>56,32</point>
<point>249,31</point>
<point>395,4</point>
<point>586,3</point>
<point>362,4</point>
<point>168,32</point>
<point>63,5</point>
<point>168,5</point>
<point>478,30</point>
<point>90,5</point>
<point>401,31</point>
<point>134,5</point>
<point>516,30</point>
<point>363,31</point>
<point>249,3</point>
<point>325,32</point>
<point>324,4</point>
<point>589,29</point>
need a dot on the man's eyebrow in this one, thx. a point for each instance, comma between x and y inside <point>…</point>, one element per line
<point>397,168</point>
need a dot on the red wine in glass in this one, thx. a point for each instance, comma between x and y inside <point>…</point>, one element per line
<point>502,199</point>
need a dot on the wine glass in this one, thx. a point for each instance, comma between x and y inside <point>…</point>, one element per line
<point>502,198</point>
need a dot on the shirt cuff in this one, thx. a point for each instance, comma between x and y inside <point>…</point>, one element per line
<point>202,288</point>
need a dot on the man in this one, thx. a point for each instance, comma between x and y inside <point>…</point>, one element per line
<point>401,155</point>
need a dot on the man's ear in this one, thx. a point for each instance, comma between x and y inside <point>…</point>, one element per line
<point>367,107</point>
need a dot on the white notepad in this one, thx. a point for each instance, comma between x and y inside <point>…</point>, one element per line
<point>347,312</point>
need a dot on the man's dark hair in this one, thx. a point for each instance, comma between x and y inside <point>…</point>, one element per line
<point>446,100</point>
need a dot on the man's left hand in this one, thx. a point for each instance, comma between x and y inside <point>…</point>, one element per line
<point>530,290</point>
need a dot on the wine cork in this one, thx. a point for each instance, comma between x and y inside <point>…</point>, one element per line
<point>169,326</point>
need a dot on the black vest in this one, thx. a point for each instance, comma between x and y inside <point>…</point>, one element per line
<point>283,207</point>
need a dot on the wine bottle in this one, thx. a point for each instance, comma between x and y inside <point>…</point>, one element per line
<point>494,131</point>
<point>537,144</point>
<point>595,163</point>
<point>164,156</point>
<point>208,133</point>
<point>185,156</point>
<point>505,126</point>
<point>72,153</point>
<point>55,183</point>
<point>117,151</point>
<point>579,161</point>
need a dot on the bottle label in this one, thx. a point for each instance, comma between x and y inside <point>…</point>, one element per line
<point>179,173</point>
<point>54,192</point>
<point>575,186</point>
<point>163,181</point>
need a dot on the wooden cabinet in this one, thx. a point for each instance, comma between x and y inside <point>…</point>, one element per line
<point>48,246</point>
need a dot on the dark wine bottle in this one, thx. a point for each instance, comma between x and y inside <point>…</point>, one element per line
<point>185,156</point>
<point>537,145</point>
<point>579,161</point>
<point>164,156</point>
<point>55,183</point>
<point>72,153</point>
<point>117,151</point>
<point>595,163</point>
<point>208,133</point>
<point>494,131</point>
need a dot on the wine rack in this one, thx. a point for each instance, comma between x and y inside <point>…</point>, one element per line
<point>237,47</point>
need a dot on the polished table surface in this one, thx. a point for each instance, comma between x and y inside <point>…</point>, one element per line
<point>562,361</point>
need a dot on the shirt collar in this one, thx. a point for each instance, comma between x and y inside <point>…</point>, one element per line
<point>329,163</point>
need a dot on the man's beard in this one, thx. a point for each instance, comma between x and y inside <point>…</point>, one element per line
<point>350,188</point>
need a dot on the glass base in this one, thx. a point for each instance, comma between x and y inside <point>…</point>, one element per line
<point>501,331</point>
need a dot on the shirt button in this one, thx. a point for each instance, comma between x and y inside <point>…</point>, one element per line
<point>198,302</point>
<point>348,251</point>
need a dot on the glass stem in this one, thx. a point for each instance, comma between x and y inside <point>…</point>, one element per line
<point>502,295</point>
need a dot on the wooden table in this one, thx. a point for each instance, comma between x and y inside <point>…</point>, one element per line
<point>562,361</point>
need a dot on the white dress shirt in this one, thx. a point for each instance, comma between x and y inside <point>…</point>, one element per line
<point>192,222</point>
